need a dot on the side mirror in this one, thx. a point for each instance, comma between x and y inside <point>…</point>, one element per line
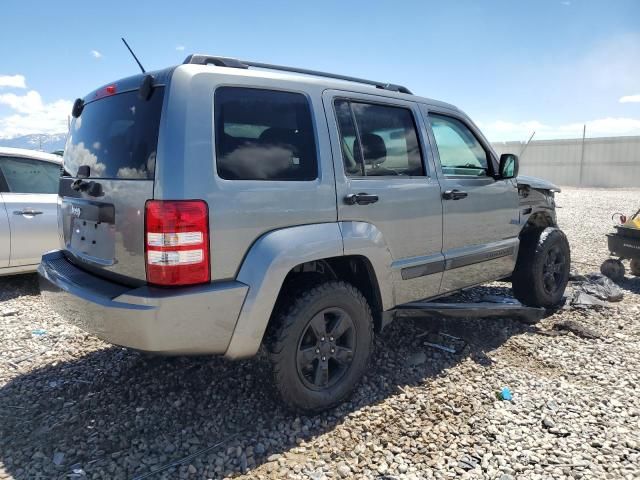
<point>509,166</point>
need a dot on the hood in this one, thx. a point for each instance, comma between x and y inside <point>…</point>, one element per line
<point>539,183</point>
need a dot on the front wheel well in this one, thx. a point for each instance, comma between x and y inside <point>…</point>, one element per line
<point>538,220</point>
<point>353,269</point>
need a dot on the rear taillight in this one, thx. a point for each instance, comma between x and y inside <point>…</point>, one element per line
<point>177,242</point>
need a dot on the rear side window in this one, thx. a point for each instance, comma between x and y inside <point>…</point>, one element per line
<point>116,137</point>
<point>378,140</point>
<point>24,175</point>
<point>264,135</point>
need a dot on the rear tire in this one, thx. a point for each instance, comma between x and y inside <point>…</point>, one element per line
<point>320,346</point>
<point>635,267</point>
<point>542,270</point>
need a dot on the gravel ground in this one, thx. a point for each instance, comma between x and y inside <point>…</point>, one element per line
<point>72,406</point>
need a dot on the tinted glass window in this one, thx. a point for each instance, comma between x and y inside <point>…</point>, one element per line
<point>460,151</point>
<point>385,142</point>
<point>24,175</point>
<point>264,135</point>
<point>116,137</point>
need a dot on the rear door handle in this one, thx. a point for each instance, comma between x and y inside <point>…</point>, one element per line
<point>27,212</point>
<point>454,194</point>
<point>360,199</point>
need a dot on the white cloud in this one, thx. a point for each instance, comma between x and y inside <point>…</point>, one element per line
<point>32,115</point>
<point>22,103</point>
<point>78,154</point>
<point>96,54</point>
<point>630,99</point>
<point>499,130</point>
<point>13,81</point>
<point>180,48</point>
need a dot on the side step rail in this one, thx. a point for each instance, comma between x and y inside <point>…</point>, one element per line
<point>471,310</point>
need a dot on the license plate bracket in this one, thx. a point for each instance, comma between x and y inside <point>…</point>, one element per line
<point>95,239</point>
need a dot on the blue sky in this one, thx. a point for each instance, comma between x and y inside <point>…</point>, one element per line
<point>514,66</point>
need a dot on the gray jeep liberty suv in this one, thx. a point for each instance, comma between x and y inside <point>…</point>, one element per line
<point>219,205</point>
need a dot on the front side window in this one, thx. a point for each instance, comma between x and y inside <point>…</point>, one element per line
<point>24,175</point>
<point>382,142</point>
<point>264,135</point>
<point>460,151</point>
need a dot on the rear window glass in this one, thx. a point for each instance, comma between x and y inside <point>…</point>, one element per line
<point>385,142</point>
<point>116,137</point>
<point>264,135</point>
<point>24,175</point>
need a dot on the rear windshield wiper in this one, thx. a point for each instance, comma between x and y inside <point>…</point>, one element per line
<point>81,185</point>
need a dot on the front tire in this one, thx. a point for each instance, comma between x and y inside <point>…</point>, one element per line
<point>321,345</point>
<point>542,270</point>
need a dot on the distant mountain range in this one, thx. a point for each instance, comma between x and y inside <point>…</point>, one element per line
<point>44,142</point>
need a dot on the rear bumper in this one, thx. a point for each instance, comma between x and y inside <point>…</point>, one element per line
<point>189,320</point>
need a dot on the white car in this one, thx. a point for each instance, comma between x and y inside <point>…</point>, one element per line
<point>28,208</point>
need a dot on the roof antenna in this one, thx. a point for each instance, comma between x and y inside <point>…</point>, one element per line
<point>134,55</point>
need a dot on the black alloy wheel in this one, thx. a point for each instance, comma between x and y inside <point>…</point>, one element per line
<point>325,352</point>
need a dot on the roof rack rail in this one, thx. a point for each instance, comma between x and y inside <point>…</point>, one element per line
<point>217,61</point>
<point>235,63</point>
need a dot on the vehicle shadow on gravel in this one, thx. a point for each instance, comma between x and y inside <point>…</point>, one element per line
<point>631,284</point>
<point>14,286</point>
<point>118,414</point>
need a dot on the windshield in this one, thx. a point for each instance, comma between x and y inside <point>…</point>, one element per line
<point>116,137</point>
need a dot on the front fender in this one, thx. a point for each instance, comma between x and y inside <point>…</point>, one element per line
<point>264,269</point>
<point>537,207</point>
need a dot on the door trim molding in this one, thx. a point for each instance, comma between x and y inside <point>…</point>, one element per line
<point>421,266</point>
<point>479,257</point>
<point>437,266</point>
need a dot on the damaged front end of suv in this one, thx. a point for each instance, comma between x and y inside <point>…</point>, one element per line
<point>537,202</point>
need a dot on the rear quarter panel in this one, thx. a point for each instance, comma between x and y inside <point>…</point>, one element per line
<point>240,211</point>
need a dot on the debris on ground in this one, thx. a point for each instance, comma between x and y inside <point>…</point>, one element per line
<point>443,341</point>
<point>576,328</point>
<point>440,347</point>
<point>505,394</point>
<point>455,307</point>
<point>599,286</point>
<point>580,299</point>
